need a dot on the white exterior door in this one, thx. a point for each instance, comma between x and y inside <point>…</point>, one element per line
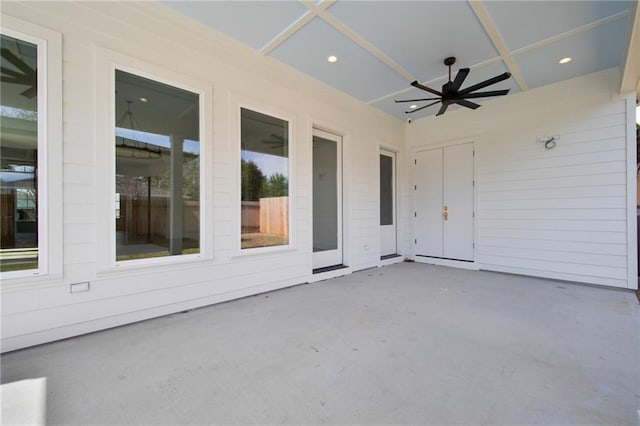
<point>428,203</point>
<point>388,242</point>
<point>458,202</point>
<point>444,202</point>
<point>327,199</point>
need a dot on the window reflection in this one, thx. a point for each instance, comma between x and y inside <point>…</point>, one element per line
<point>19,155</point>
<point>157,210</point>
<point>265,180</point>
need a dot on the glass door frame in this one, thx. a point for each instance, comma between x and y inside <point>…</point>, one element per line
<point>328,258</point>
<point>394,192</point>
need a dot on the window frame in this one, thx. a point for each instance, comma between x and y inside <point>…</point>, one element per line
<point>289,118</point>
<point>49,155</point>
<point>107,64</point>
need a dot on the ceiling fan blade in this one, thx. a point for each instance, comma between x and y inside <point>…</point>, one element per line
<point>467,104</point>
<point>422,107</point>
<point>30,92</point>
<point>15,80</point>
<point>486,94</point>
<point>425,88</point>
<point>443,108</point>
<point>414,100</point>
<point>11,73</point>
<point>460,77</point>
<point>19,63</point>
<point>494,80</point>
<point>277,136</point>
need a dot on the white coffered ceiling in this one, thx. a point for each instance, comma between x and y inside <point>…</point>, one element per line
<point>382,46</point>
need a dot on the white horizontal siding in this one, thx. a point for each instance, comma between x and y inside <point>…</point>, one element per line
<point>549,254</point>
<point>556,214</point>
<point>594,140</point>
<point>561,172</point>
<point>556,245</point>
<point>37,312</point>
<point>589,180</point>
<point>554,161</point>
<point>559,213</point>
<point>546,225</point>
<point>564,203</point>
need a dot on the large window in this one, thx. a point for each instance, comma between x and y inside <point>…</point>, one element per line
<point>157,156</point>
<point>19,155</point>
<point>264,180</point>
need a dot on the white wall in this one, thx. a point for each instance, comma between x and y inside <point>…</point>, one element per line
<point>37,310</point>
<point>562,213</point>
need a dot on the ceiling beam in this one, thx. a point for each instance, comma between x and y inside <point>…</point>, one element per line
<point>570,33</point>
<point>487,23</point>
<point>631,65</point>
<point>297,25</point>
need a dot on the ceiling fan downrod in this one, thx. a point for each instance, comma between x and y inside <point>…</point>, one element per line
<point>449,62</point>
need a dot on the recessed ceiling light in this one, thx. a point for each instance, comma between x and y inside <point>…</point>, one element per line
<point>332,59</point>
<point>145,100</point>
<point>564,60</point>
<point>413,106</point>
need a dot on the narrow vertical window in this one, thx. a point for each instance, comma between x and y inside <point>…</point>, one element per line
<point>157,156</point>
<point>19,155</point>
<point>264,180</point>
<point>386,190</point>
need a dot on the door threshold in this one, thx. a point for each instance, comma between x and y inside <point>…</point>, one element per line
<point>389,256</point>
<point>444,258</point>
<point>462,264</point>
<point>329,268</point>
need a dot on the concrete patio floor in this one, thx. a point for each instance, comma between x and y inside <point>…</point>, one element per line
<point>408,343</point>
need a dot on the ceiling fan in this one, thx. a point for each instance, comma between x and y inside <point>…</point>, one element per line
<point>451,93</point>
<point>25,75</point>
<point>276,141</point>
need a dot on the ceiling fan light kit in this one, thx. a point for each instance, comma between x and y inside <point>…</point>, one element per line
<point>452,94</point>
<point>129,147</point>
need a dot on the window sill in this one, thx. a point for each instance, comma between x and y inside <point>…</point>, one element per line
<point>262,251</point>
<point>145,266</point>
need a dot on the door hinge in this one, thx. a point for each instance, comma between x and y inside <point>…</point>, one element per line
<point>415,214</point>
<point>415,187</point>
<point>415,241</point>
<point>474,183</point>
<point>415,161</point>
<point>473,214</point>
<point>474,245</point>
